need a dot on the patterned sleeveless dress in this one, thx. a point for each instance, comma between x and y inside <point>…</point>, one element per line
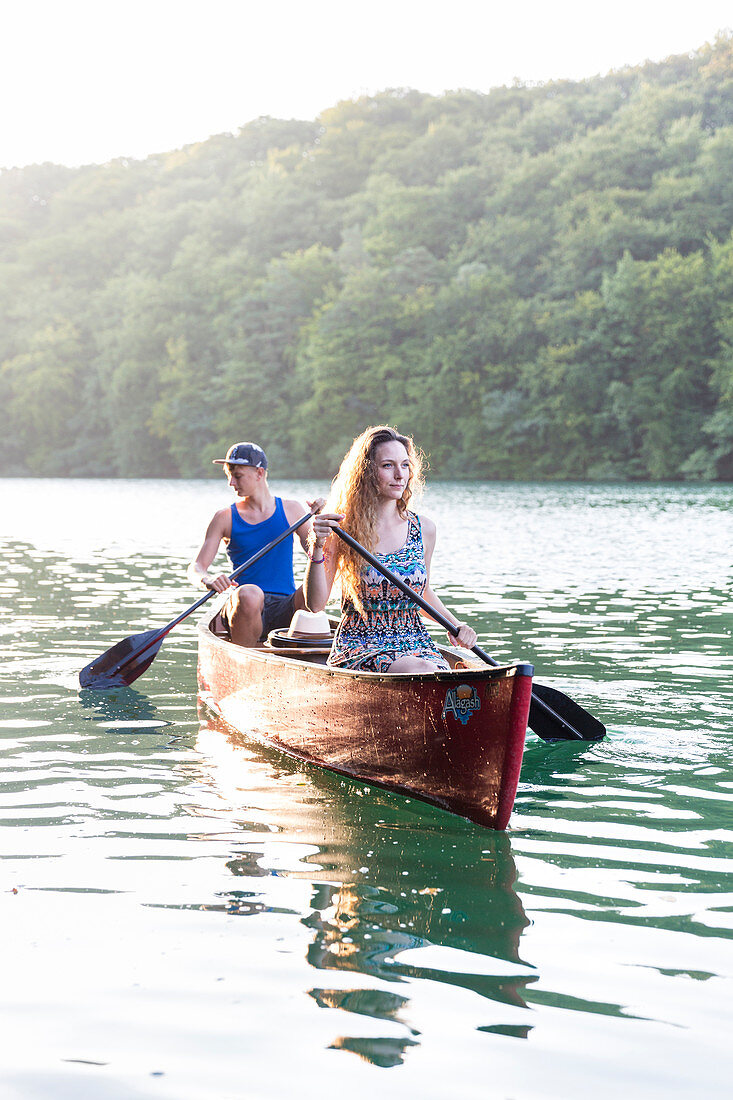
<point>391,626</point>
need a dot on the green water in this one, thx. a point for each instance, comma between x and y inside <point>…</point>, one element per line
<point>389,948</point>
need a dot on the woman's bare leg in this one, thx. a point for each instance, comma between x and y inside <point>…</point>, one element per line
<point>412,664</point>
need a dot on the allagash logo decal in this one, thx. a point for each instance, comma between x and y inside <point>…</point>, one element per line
<point>461,702</point>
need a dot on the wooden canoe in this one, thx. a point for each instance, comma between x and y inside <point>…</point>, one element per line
<point>454,739</point>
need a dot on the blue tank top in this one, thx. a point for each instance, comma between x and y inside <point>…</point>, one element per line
<point>274,571</point>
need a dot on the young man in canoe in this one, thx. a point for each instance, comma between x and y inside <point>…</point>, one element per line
<point>267,596</point>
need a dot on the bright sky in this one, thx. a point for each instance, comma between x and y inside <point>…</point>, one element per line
<point>84,81</point>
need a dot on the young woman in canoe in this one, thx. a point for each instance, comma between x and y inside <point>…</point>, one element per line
<point>380,628</point>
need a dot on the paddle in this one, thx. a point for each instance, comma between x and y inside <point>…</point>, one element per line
<point>121,665</point>
<point>552,715</point>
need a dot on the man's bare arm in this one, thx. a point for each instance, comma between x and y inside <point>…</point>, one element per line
<point>197,572</point>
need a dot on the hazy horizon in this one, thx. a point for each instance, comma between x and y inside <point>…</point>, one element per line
<point>90,83</point>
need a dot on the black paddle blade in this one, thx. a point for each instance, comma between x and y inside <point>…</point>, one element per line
<point>552,727</point>
<point>121,665</point>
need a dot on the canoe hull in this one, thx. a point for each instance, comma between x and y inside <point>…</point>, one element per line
<point>454,739</point>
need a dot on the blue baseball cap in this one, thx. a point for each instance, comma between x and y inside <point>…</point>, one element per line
<point>244,454</point>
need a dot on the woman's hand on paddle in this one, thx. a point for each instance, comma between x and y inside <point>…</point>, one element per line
<point>323,525</point>
<point>466,636</point>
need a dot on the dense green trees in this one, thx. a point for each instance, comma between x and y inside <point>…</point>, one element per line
<point>537,283</point>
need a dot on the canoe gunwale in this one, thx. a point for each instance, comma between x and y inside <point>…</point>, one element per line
<point>262,652</point>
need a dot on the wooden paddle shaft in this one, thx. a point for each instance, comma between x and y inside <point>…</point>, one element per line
<point>403,587</point>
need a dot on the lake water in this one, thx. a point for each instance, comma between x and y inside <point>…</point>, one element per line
<point>188,915</point>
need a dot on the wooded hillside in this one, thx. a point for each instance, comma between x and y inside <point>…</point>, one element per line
<point>535,282</point>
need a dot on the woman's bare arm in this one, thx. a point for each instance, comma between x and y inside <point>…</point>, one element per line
<point>321,567</point>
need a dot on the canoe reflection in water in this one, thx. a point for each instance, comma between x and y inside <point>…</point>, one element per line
<point>402,891</point>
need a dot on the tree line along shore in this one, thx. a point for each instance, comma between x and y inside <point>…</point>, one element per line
<point>535,282</point>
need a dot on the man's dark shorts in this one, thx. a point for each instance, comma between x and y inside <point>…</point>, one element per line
<point>276,614</point>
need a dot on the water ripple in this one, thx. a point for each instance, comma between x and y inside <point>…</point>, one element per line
<point>138,830</point>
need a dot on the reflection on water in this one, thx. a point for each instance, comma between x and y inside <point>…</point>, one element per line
<point>121,708</point>
<point>137,833</point>
<point>433,898</point>
<point>380,1052</point>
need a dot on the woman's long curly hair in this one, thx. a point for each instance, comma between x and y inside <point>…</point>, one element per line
<point>354,493</point>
